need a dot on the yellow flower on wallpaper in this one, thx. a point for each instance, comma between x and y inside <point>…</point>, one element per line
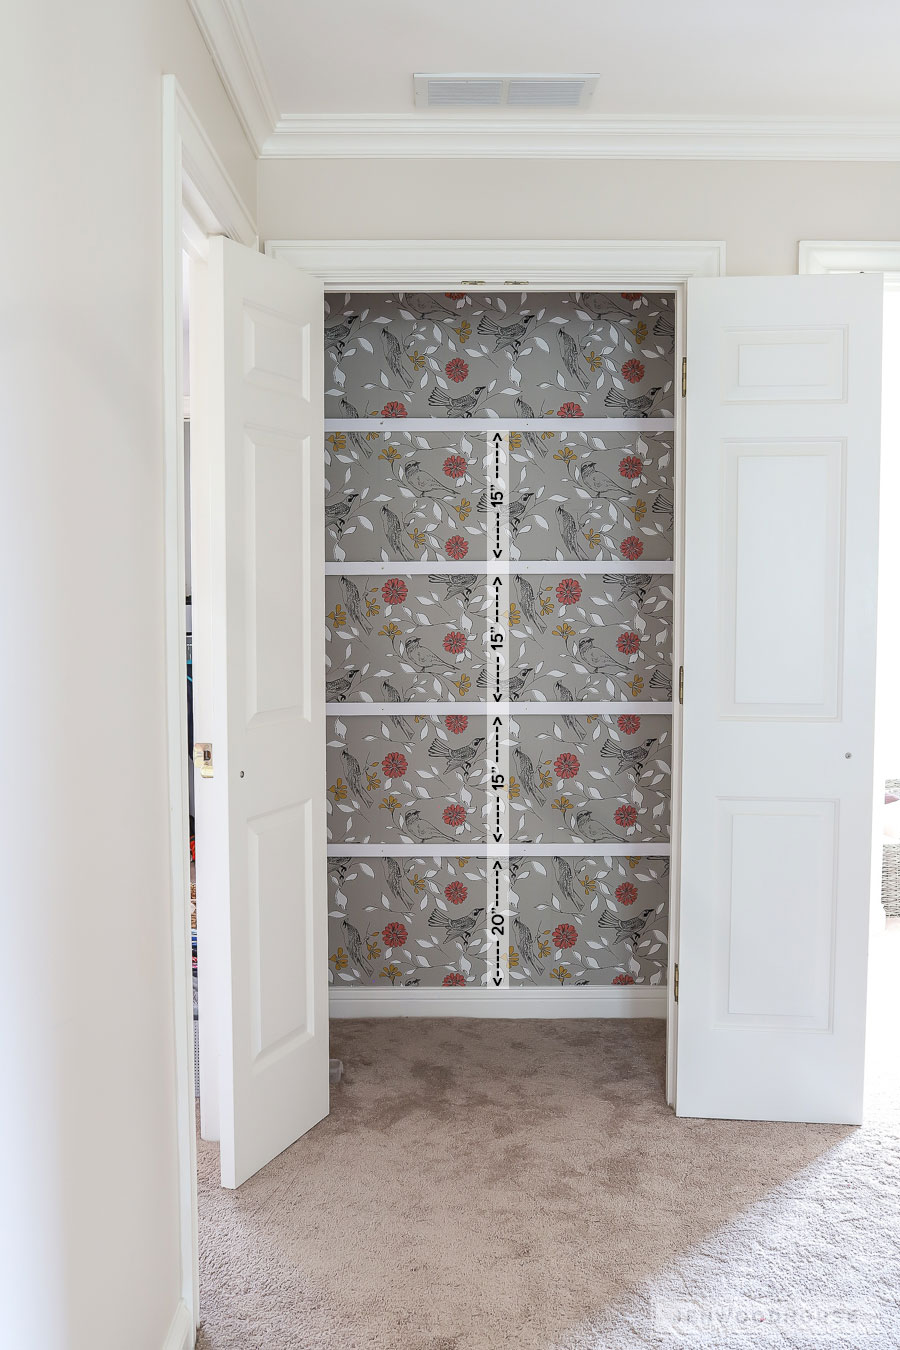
<point>565,630</point>
<point>419,540</point>
<point>418,360</point>
<point>513,958</point>
<point>373,950</point>
<point>391,973</point>
<point>640,333</point>
<point>566,454</point>
<point>514,788</point>
<point>340,959</point>
<point>464,509</point>
<point>640,509</point>
<point>464,331</point>
<point>589,884</point>
<point>515,440</point>
<point>390,630</point>
<point>561,973</point>
<point>562,804</point>
<point>515,615</point>
<point>338,617</point>
<point>390,453</point>
<point>390,804</point>
<point>417,883</point>
<point>593,538</point>
<point>337,440</point>
<point>463,684</point>
<point>636,686</point>
<point>372,780</point>
<point>339,790</point>
<point>595,361</point>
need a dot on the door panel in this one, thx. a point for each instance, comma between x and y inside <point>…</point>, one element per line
<point>783,424</point>
<point>265,492</point>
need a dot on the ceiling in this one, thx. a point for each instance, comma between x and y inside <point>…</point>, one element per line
<point>798,57</point>
<point>775,79</point>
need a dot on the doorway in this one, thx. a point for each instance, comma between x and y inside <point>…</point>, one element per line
<point>501,582</point>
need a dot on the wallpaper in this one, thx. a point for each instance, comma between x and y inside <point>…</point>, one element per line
<point>575,495</point>
<point>413,492</point>
<point>574,921</point>
<point>574,637</point>
<point>512,355</point>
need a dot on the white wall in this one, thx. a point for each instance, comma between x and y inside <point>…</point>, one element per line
<point>89,1191</point>
<point>760,209</point>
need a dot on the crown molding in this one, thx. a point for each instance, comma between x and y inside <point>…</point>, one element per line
<point>226,31</point>
<point>461,136</point>
<point>405,264</point>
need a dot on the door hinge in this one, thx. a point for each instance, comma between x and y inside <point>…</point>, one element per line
<point>675,983</point>
<point>683,376</point>
<point>681,684</point>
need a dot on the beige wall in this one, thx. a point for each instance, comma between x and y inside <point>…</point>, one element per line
<point>89,1155</point>
<point>761,210</point>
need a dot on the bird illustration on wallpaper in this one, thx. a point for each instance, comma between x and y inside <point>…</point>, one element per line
<point>477,354</point>
<point>419,921</point>
<point>424,497</point>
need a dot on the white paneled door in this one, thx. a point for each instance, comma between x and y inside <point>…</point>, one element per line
<point>783,426</point>
<point>261,496</point>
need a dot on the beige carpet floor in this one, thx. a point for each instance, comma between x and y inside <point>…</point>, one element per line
<point>485,1184</point>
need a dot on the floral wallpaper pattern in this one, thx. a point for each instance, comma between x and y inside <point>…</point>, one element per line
<point>574,495</point>
<point>397,495</point>
<point>512,355</point>
<point>576,636</point>
<point>419,921</point>
<point>420,780</point>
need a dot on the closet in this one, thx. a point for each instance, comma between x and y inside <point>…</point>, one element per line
<point>568,401</point>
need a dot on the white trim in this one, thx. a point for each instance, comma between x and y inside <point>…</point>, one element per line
<point>818,256</point>
<point>502,708</point>
<point>198,198</point>
<point>481,567</point>
<point>631,848</point>
<point>208,195</point>
<point>587,1001</point>
<point>431,135</point>
<point>438,425</point>
<point>226,31</point>
<point>180,1335</point>
<point>561,264</point>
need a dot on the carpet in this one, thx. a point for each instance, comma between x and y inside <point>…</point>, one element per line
<point>484,1184</point>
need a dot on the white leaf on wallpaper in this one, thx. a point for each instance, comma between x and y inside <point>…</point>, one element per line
<point>423,381</point>
<point>465,965</point>
<point>421,792</point>
<point>365,344</point>
<point>560,380</point>
<point>386,902</point>
<point>421,960</point>
<point>366,869</point>
<point>365,522</point>
<point>385,381</point>
<point>339,727</point>
<point>542,522</point>
<point>355,976</point>
<point>501,304</point>
<point>538,867</point>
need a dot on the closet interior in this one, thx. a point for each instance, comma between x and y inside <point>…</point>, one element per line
<point>570,398</point>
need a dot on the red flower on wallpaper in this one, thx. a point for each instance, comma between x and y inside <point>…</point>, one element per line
<point>456,892</point>
<point>628,643</point>
<point>454,815</point>
<point>564,935</point>
<point>451,981</point>
<point>457,370</point>
<point>394,765</point>
<point>631,548</point>
<point>632,295</point>
<point>627,893</point>
<point>456,723</point>
<point>456,547</point>
<point>633,371</point>
<point>455,642</point>
<point>394,592</point>
<point>566,765</point>
<point>454,295</point>
<point>626,816</point>
<point>623,979</point>
<point>632,466</point>
<point>455,466</point>
<point>394,410</point>
<point>570,410</point>
<point>394,935</point>
<point>630,724</point>
<point>568,592</point>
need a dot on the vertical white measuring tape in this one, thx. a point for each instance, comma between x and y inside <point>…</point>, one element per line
<point>499,818</point>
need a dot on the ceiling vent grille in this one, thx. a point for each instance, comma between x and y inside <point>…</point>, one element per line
<point>510,91</point>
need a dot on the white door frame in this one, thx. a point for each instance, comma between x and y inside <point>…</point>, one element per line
<point>199,199</point>
<point>548,264</point>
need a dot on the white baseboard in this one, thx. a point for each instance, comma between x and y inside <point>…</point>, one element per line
<point>596,1001</point>
<point>181,1333</point>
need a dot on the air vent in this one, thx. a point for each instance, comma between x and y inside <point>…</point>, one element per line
<point>511,91</point>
